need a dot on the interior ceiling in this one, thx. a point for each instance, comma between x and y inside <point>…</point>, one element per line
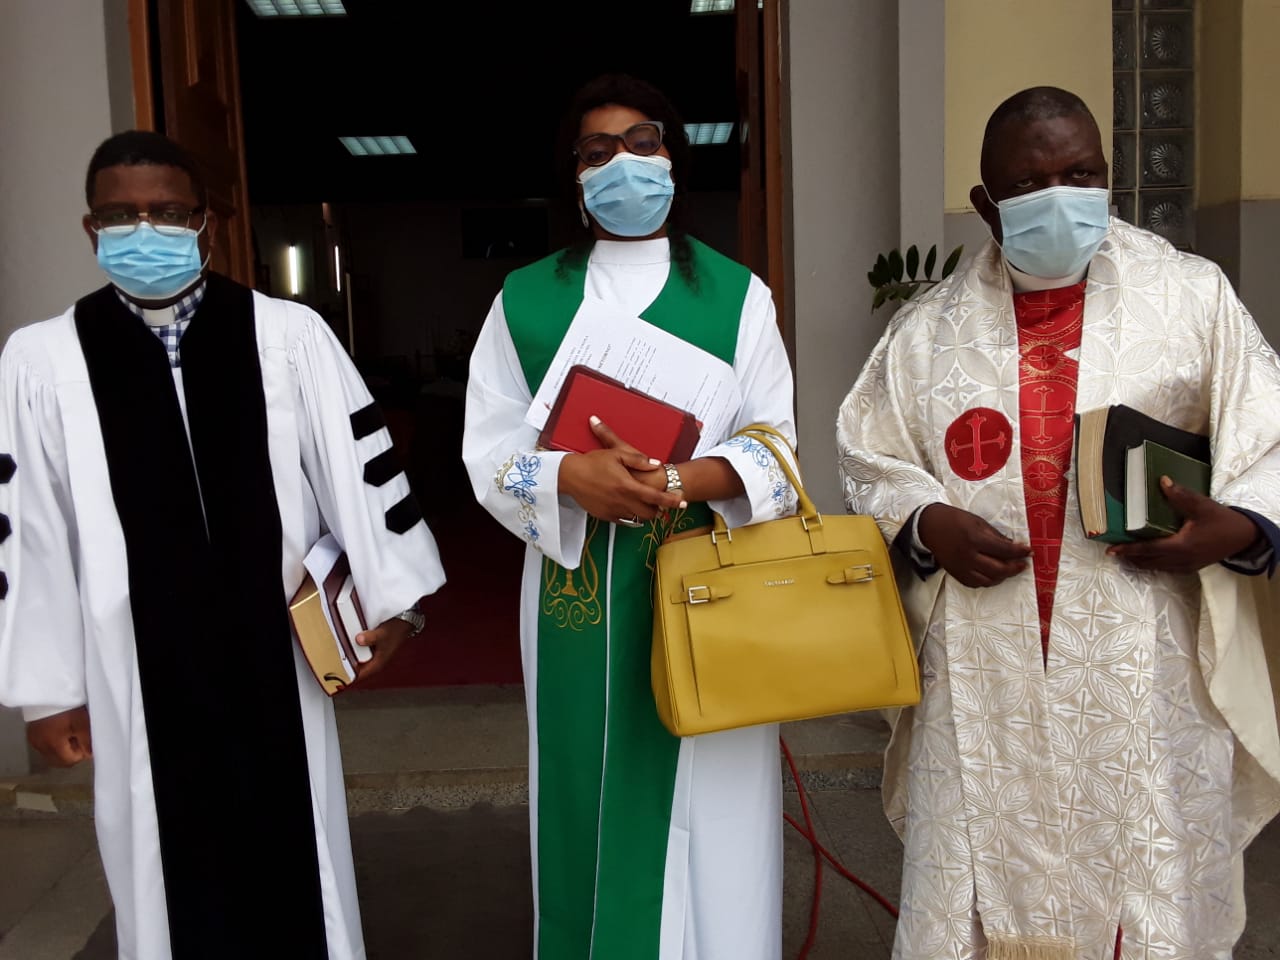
<point>480,95</point>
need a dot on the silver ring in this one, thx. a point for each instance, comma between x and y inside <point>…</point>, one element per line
<point>629,522</point>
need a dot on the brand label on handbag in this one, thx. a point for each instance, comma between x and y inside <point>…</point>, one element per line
<point>785,582</point>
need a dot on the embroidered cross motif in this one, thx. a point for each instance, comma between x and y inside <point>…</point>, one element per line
<point>978,443</point>
<point>1044,414</point>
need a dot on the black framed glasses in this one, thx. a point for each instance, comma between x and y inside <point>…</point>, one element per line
<point>642,139</point>
<point>173,219</point>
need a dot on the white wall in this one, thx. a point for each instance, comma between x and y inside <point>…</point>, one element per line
<point>56,96</point>
<point>844,181</point>
<point>54,110</point>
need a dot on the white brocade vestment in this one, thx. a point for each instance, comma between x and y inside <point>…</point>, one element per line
<point>68,629</point>
<point>1044,806</point>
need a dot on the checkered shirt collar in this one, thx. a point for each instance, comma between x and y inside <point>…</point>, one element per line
<point>184,309</point>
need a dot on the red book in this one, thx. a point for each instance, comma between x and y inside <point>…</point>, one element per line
<point>654,427</point>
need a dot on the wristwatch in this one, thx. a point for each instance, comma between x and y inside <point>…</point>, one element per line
<point>674,483</point>
<point>413,618</point>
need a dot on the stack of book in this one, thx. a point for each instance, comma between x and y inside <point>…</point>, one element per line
<point>326,617</point>
<point>1121,454</point>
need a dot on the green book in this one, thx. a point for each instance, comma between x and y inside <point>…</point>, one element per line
<point>1147,512</point>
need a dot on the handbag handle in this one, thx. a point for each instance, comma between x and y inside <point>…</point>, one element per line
<point>769,437</point>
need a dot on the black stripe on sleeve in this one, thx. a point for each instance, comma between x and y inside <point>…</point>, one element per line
<point>404,515</point>
<point>367,420</point>
<point>381,468</point>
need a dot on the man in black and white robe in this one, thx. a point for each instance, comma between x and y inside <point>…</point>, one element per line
<point>169,455</point>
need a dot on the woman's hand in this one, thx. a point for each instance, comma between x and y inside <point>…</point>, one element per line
<point>603,483</point>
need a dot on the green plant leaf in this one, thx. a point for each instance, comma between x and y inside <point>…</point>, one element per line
<point>872,279</point>
<point>881,295</point>
<point>952,260</point>
<point>913,261</point>
<point>895,264</point>
<point>931,258</point>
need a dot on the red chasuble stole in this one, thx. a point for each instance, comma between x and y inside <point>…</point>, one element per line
<point>1049,327</point>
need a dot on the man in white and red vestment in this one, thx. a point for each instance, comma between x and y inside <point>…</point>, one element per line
<point>1097,738</point>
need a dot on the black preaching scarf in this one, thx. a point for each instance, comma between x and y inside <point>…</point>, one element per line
<point>215,657</point>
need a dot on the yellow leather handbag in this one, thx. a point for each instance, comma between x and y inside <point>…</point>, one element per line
<point>786,619</point>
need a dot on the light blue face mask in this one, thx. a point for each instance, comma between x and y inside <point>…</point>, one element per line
<point>1056,231</point>
<point>149,265</point>
<point>630,196</point>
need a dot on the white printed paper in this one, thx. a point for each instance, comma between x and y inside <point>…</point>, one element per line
<point>647,359</point>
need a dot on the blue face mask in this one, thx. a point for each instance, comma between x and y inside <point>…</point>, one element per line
<point>149,265</point>
<point>1054,232</point>
<point>630,196</point>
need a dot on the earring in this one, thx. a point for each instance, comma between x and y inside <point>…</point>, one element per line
<point>583,210</point>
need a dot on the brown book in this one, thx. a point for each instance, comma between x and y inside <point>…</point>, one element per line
<point>654,427</point>
<point>327,641</point>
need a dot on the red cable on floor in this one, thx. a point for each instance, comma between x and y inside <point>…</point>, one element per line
<point>821,853</point>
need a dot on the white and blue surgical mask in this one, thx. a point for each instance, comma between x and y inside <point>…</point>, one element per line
<point>1054,232</point>
<point>630,196</point>
<point>147,264</point>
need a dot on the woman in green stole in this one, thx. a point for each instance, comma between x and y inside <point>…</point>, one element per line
<point>645,846</point>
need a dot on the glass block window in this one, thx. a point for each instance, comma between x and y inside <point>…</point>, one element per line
<point>1153,77</point>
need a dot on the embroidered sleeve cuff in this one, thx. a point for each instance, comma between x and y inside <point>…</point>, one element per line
<point>1261,556</point>
<point>908,543</point>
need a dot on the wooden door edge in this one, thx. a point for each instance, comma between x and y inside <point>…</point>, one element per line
<point>775,219</point>
<point>144,109</point>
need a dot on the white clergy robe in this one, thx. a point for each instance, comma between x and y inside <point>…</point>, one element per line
<point>1042,804</point>
<point>68,636</point>
<point>721,897</point>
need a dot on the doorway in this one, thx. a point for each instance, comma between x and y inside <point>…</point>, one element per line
<point>389,172</point>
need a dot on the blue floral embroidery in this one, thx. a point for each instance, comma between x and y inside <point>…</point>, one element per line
<point>781,495</point>
<point>518,477</point>
<point>758,452</point>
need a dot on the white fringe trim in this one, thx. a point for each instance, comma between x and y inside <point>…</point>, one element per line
<point>1030,948</point>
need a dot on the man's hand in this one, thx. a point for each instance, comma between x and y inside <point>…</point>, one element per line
<point>1210,534</point>
<point>969,548</point>
<point>605,484</point>
<point>62,739</point>
<point>385,639</point>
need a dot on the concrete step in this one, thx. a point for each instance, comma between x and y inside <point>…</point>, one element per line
<point>448,748</point>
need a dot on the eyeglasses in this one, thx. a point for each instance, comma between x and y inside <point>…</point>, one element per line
<point>125,220</point>
<point>642,139</point>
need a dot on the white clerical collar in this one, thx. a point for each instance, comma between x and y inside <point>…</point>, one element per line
<point>1026,283</point>
<point>632,252</point>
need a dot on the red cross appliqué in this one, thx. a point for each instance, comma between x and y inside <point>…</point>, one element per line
<point>978,443</point>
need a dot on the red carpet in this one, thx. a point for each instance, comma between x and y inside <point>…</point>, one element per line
<point>472,632</point>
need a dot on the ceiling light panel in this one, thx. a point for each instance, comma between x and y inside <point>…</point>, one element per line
<point>297,8</point>
<point>378,146</point>
<point>708,134</point>
<point>717,6</point>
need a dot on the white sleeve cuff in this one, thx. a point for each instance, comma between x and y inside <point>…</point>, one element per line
<point>32,714</point>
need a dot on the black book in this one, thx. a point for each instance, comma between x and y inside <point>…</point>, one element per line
<point>1104,437</point>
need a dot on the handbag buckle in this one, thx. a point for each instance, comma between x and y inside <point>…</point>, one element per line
<point>699,594</point>
<point>728,535</point>
<point>861,573</point>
